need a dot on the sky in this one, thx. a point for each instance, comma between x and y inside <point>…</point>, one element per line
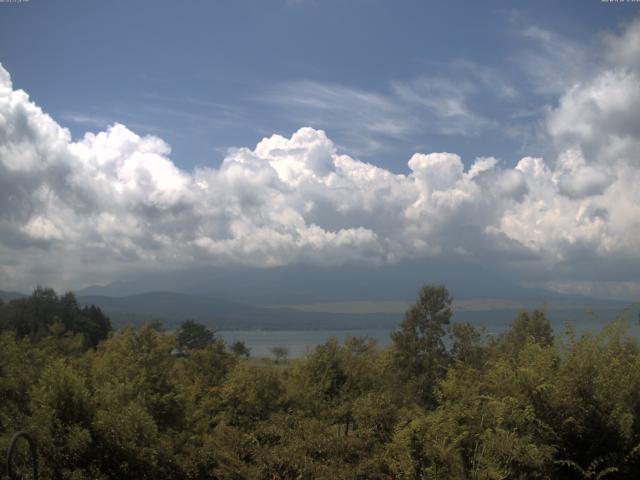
<point>141,137</point>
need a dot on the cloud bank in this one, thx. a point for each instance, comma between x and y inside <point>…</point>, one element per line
<point>114,203</point>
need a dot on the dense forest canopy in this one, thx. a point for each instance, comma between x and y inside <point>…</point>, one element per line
<point>45,313</point>
<point>443,401</point>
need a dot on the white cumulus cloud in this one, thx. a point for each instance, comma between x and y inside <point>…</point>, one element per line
<point>113,202</point>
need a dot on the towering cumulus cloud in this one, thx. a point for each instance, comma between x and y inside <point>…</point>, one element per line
<point>113,201</point>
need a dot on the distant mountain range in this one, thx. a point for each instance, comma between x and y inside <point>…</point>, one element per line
<point>348,297</point>
<point>171,308</point>
<point>8,296</point>
<point>306,284</point>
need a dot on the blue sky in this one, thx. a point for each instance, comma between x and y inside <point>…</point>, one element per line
<point>145,137</point>
<point>206,76</point>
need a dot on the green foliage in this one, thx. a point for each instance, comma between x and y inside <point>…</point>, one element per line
<point>468,347</point>
<point>280,353</point>
<point>61,417</point>
<point>44,313</point>
<point>428,446</point>
<point>251,393</point>
<point>194,335</point>
<point>20,367</point>
<point>527,327</point>
<point>240,349</point>
<point>525,405</point>
<point>420,354</point>
<point>135,366</point>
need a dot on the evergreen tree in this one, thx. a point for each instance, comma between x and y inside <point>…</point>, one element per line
<point>420,353</point>
<point>194,335</point>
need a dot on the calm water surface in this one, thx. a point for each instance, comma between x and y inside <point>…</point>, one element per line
<point>297,341</point>
<point>300,341</point>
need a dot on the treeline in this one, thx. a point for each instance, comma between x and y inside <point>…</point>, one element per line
<point>45,313</point>
<point>443,401</point>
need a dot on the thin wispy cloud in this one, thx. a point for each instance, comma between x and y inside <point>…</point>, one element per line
<point>117,200</point>
<point>485,78</point>
<point>442,106</point>
<point>552,62</point>
<point>85,120</point>
<point>122,199</point>
<point>204,104</point>
<point>93,122</point>
<point>341,104</point>
<point>406,109</point>
<point>364,118</point>
<point>449,99</point>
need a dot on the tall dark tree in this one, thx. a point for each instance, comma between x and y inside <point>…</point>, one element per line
<point>240,349</point>
<point>96,324</point>
<point>467,345</point>
<point>527,326</point>
<point>35,316</point>
<point>420,354</point>
<point>194,335</point>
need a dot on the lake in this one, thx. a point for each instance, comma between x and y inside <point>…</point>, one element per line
<point>299,341</point>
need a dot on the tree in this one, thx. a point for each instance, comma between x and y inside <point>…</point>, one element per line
<point>467,345</point>
<point>420,353</point>
<point>239,349</point>
<point>251,393</point>
<point>34,316</point>
<point>93,323</point>
<point>280,353</point>
<point>194,335</point>
<point>62,416</point>
<point>533,327</point>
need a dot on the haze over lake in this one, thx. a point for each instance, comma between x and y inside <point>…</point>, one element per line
<point>300,342</point>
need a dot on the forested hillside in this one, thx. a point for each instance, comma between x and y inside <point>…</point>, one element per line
<point>443,401</point>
